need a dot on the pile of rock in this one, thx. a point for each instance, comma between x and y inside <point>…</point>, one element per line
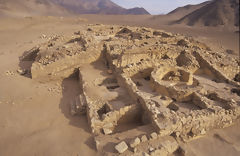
<point>9,73</point>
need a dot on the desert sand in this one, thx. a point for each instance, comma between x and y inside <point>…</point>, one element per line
<point>35,117</point>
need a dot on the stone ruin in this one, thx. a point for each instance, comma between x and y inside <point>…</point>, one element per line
<point>144,91</point>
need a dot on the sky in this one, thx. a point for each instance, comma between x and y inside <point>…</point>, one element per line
<point>156,6</point>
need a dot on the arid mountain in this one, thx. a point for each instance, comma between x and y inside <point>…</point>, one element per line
<point>185,10</point>
<point>63,7</point>
<point>97,7</point>
<point>178,13</point>
<point>137,11</point>
<point>216,13</point>
<point>30,7</point>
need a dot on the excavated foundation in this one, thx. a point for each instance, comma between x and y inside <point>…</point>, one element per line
<point>142,88</point>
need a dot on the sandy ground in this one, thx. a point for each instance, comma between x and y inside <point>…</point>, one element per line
<point>220,142</point>
<point>33,120</point>
<point>34,117</point>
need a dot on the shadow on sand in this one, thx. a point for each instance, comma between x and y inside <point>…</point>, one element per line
<point>26,61</point>
<point>71,89</point>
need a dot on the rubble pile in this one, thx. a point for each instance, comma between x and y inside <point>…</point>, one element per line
<point>143,89</point>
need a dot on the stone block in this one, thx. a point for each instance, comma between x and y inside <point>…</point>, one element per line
<point>135,142</point>
<point>121,147</point>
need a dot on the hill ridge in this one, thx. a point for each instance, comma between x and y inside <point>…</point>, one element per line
<point>216,13</point>
<point>65,7</point>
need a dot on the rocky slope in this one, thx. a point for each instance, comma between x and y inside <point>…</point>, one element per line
<point>218,12</point>
<point>64,7</point>
<point>97,7</point>
<point>30,7</point>
<point>185,10</point>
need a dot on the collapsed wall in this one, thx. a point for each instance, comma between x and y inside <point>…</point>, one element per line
<point>143,89</point>
<point>62,55</point>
